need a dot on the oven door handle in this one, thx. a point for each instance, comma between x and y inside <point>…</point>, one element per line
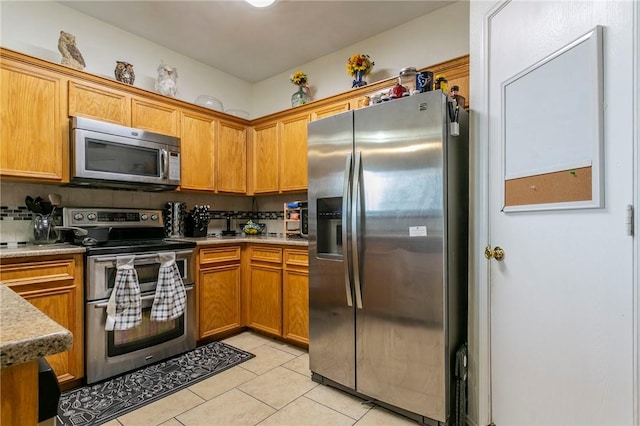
<point>147,297</point>
<point>140,257</point>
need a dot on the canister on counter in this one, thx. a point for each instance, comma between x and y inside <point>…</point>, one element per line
<point>424,81</point>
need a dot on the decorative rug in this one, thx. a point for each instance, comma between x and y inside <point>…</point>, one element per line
<point>98,403</point>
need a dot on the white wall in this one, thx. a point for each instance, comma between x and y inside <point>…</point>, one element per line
<point>427,40</point>
<point>33,27</point>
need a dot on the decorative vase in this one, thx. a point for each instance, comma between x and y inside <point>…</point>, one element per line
<point>359,81</point>
<point>299,98</point>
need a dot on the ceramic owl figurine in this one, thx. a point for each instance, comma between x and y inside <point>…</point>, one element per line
<point>71,56</point>
<point>167,81</point>
<point>124,72</point>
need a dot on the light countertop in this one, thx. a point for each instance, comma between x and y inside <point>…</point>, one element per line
<point>257,239</point>
<point>40,250</point>
<point>26,333</point>
<point>65,248</point>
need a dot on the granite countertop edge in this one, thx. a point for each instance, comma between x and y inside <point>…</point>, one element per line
<point>40,250</point>
<point>215,240</point>
<point>26,333</point>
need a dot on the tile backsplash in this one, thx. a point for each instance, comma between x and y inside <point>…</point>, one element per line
<point>15,218</point>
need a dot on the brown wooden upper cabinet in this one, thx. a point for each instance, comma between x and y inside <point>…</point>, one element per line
<point>265,158</point>
<point>197,152</point>
<point>100,103</point>
<point>231,157</point>
<point>34,130</point>
<point>293,153</point>
<point>279,154</point>
<point>220,153</point>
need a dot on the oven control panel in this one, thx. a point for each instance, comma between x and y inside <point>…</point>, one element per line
<point>105,217</point>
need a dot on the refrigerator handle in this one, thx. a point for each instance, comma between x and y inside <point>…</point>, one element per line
<point>345,206</point>
<point>355,196</point>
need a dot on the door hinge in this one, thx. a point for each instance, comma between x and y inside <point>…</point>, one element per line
<point>629,220</point>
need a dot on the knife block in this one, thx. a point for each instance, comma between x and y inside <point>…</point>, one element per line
<point>192,229</point>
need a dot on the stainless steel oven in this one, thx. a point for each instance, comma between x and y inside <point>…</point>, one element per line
<point>137,233</point>
<point>113,352</point>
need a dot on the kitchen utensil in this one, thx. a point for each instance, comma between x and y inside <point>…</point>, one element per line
<point>31,205</point>
<point>43,229</point>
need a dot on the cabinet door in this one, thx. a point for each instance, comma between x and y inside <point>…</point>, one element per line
<point>154,116</point>
<point>219,300</point>
<point>56,288</point>
<point>293,153</point>
<point>34,130</point>
<point>265,289</point>
<point>99,102</point>
<point>265,158</point>
<point>295,288</point>
<point>197,152</point>
<point>265,298</point>
<point>232,158</point>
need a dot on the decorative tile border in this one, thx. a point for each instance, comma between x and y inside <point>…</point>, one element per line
<point>21,213</point>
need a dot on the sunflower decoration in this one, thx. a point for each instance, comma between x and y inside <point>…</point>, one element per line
<point>303,95</point>
<point>359,64</point>
<point>299,78</point>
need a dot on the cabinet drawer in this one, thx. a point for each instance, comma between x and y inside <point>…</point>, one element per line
<point>219,255</point>
<point>26,278</point>
<point>266,254</point>
<point>296,257</point>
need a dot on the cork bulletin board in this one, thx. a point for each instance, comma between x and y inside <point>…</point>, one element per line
<point>553,137</point>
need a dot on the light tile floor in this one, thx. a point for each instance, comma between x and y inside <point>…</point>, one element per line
<point>274,388</point>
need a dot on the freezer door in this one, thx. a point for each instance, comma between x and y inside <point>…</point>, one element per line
<point>331,312</point>
<point>400,343</point>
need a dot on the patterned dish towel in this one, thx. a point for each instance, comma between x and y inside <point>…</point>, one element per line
<point>171,296</point>
<point>124,310</point>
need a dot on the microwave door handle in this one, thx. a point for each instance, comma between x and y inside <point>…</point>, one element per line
<point>164,164</point>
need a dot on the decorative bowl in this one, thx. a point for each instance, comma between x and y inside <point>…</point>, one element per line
<point>210,102</point>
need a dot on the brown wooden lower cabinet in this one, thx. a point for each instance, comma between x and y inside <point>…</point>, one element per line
<point>265,289</point>
<point>295,294</point>
<point>219,290</point>
<point>260,286</point>
<point>278,286</point>
<point>53,284</point>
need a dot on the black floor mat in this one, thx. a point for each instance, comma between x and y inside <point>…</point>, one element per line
<point>98,403</point>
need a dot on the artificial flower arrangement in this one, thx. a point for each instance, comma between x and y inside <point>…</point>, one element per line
<point>304,92</point>
<point>359,63</point>
<point>299,78</point>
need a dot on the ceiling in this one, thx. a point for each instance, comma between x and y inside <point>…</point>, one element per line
<point>256,43</point>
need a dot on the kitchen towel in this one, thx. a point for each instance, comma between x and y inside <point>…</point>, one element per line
<point>171,296</point>
<point>124,310</point>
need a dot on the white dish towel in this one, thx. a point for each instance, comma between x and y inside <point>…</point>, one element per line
<point>171,296</point>
<point>124,310</point>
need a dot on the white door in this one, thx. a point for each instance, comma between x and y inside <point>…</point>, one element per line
<point>561,300</point>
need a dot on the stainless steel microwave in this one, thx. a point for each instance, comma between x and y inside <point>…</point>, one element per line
<point>114,156</point>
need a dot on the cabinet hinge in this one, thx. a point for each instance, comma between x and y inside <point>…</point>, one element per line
<point>629,220</point>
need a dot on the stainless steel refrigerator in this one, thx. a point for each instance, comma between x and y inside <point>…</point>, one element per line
<point>388,226</point>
